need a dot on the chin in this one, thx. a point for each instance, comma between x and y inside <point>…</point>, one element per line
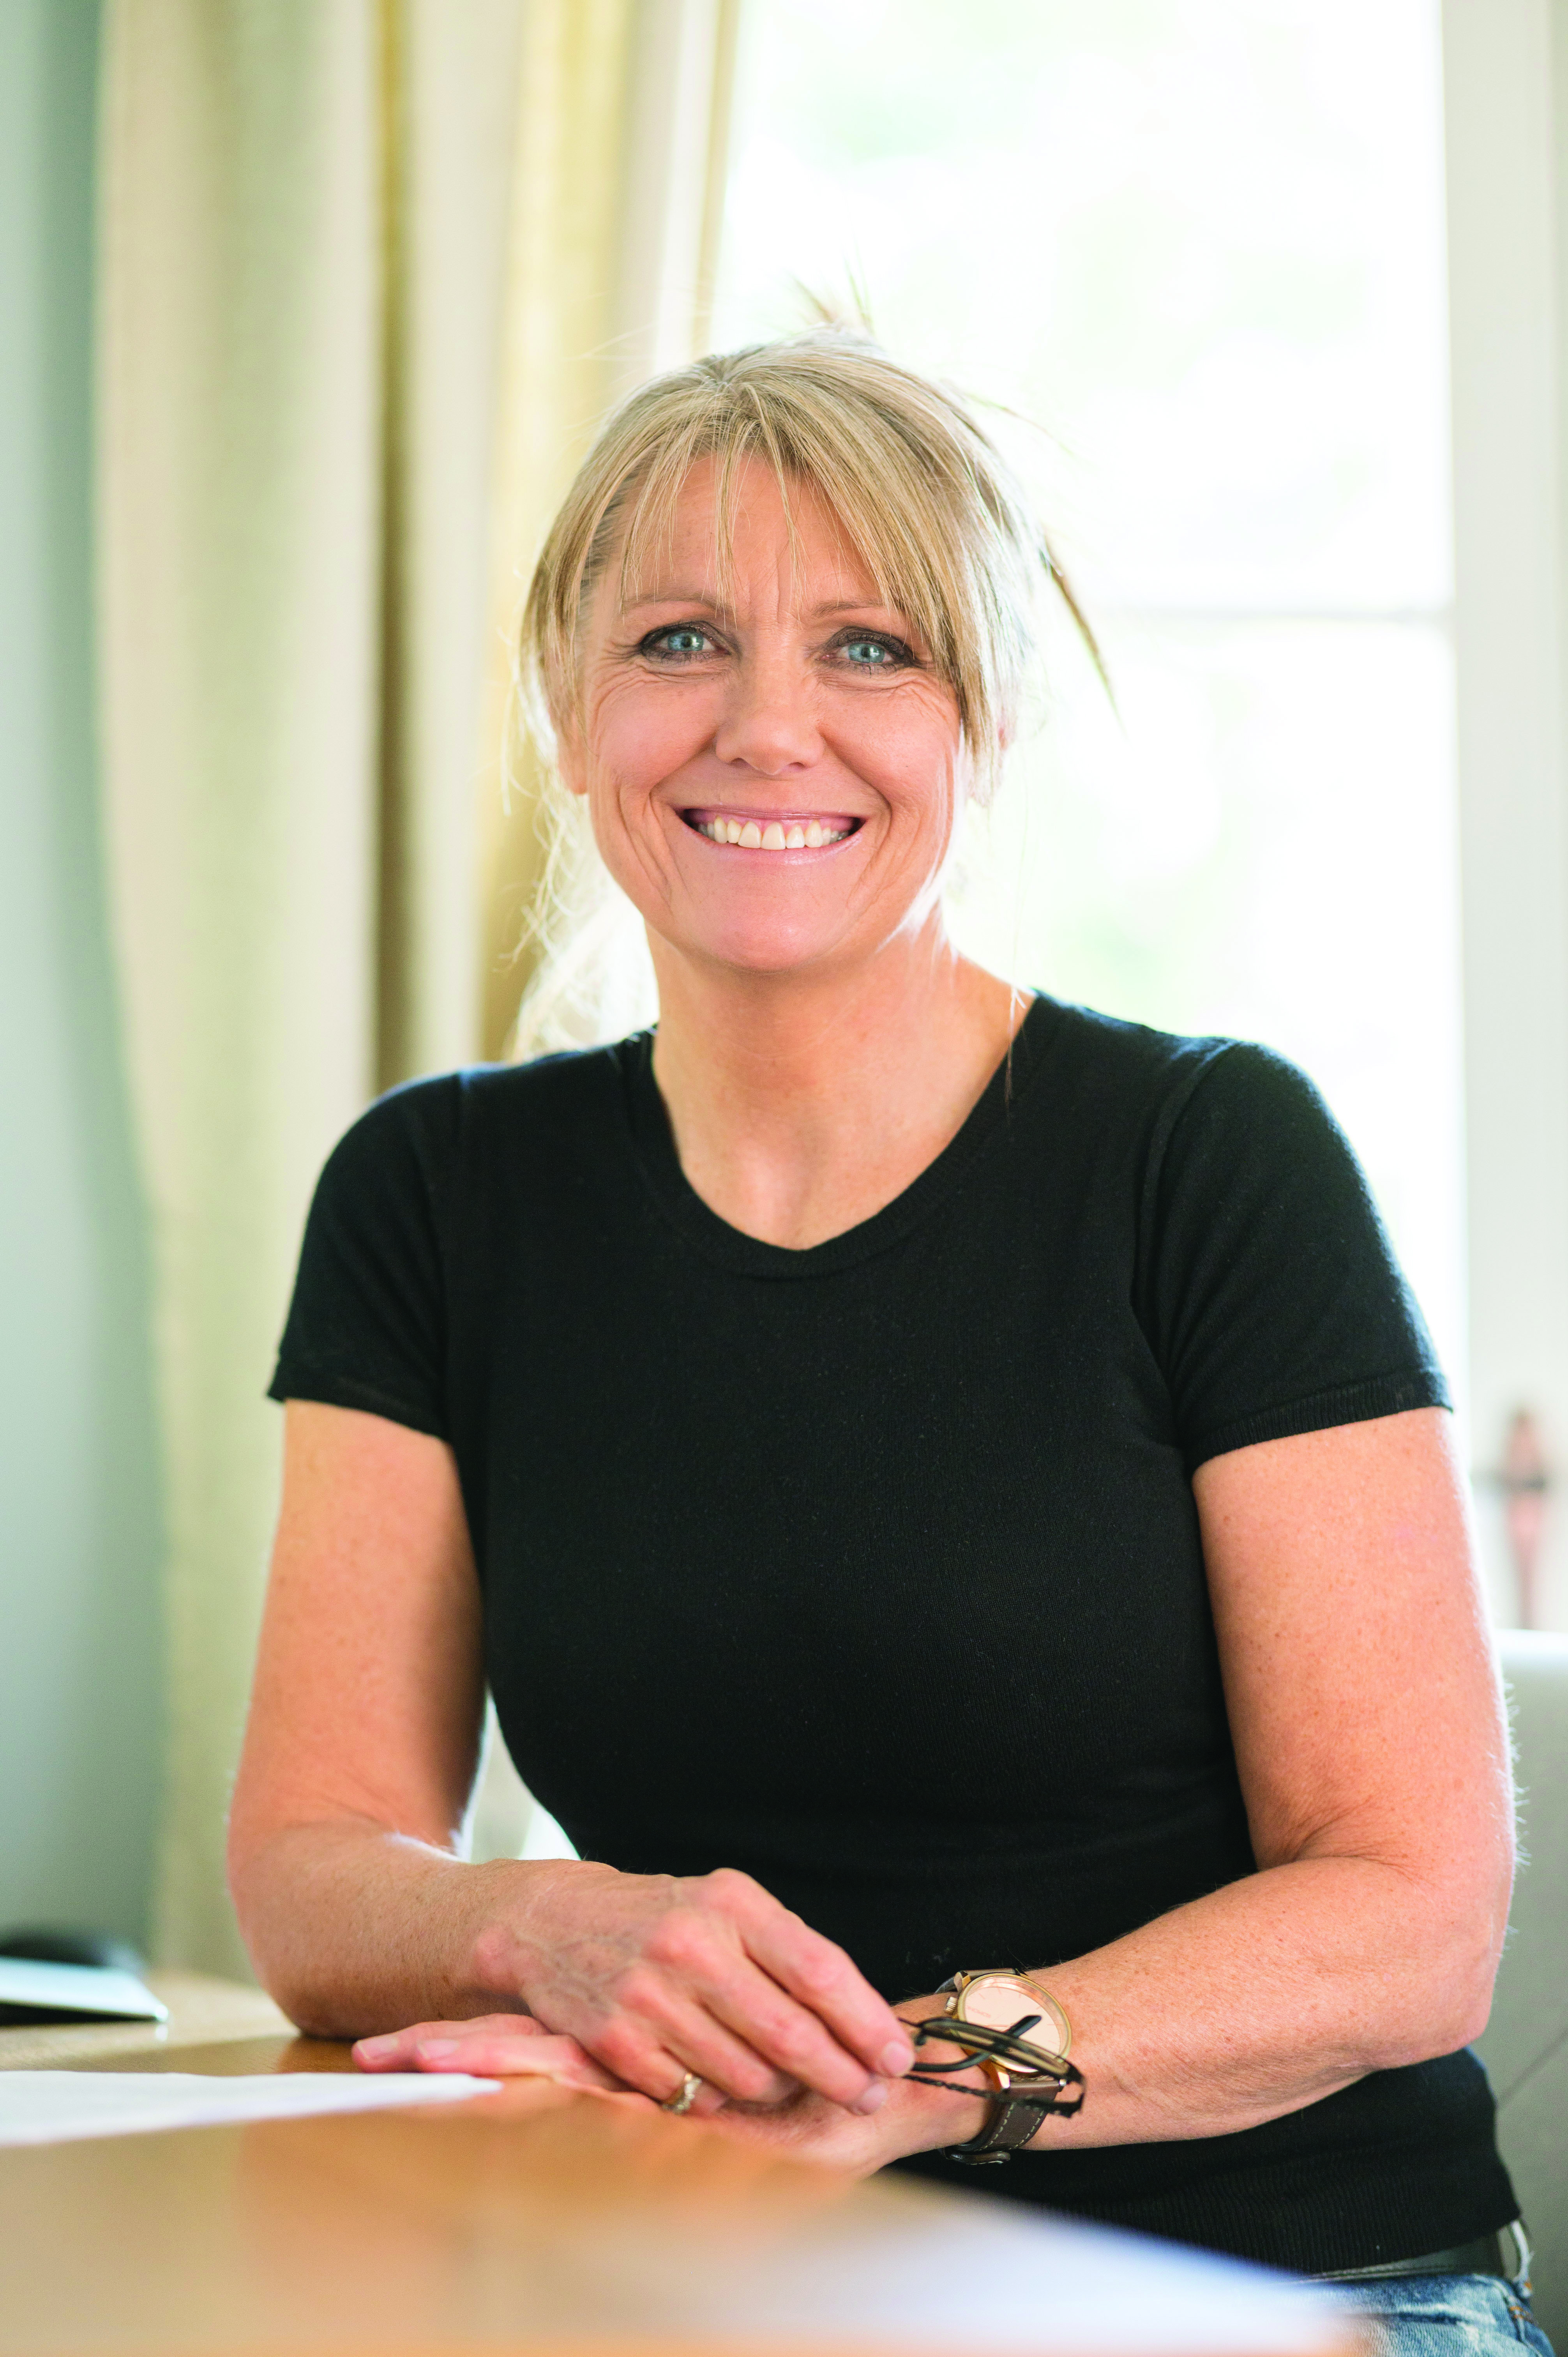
<point>762,947</point>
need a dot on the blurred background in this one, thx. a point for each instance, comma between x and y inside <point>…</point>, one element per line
<point>311,308</point>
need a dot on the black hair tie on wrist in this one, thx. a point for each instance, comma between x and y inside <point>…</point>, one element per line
<point>1033,2075</point>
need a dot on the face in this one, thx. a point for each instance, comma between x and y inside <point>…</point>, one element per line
<point>774,778</point>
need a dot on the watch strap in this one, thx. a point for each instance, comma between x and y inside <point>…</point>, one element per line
<point>1010,2122</point>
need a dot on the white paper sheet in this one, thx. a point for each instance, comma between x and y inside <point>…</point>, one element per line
<point>53,2106</point>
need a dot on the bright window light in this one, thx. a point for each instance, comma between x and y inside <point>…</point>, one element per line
<point>1200,242</point>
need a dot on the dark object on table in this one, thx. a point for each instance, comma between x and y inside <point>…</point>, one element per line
<point>100,1951</point>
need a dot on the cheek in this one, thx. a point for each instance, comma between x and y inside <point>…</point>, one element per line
<point>640,733</point>
<point>911,755</point>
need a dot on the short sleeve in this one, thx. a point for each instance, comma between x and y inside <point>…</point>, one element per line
<point>367,1327</point>
<point>1268,1289</point>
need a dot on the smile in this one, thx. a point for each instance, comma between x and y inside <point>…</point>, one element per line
<point>786,831</point>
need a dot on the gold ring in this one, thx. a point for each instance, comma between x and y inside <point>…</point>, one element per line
<point>685,2095</point>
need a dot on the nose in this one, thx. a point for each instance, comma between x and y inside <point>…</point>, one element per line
<point>768,723</point>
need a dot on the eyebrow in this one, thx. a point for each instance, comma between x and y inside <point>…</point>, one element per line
<point>700,597</point>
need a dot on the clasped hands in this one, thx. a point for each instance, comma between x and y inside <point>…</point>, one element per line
<point>621,1984</point>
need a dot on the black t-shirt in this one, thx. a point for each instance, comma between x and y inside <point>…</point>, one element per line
<point>874,1569</point>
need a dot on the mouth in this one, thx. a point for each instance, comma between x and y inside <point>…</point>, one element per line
<point>772,830</point>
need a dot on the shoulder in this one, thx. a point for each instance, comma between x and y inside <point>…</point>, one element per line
<point>1261,1277</point>
<point>1158,1078</point>
<point>1117,1052</point>
<point>427,1125</point>
<point>1186,1120</point>
<point>577,1089</point>
<point>420,1160</point>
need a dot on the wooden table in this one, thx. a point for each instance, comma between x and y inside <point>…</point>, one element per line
<point>548,2225</point>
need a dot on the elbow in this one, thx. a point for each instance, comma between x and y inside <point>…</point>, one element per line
<point>1443,1997</point>
<point>1442,2020</point>
<point>1470,2024</point>
<point>259,1895</point>
<point>301,1995</point>
<point>291,1988</point>
<point>1460,2009</point>
<point>285,1988</point>
<point>1477,1952</point>
<point>307,2010</point>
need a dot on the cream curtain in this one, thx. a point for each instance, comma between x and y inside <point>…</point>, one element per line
<point>627,107</point>
<point>368,275</point>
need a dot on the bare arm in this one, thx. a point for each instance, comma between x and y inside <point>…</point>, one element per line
<point>364,1730</point>
<point>1367,1718</point>
<point>1370,1738</point>
<point>359,1761</point>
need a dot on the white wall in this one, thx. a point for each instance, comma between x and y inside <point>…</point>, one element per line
<point>80,1640</point>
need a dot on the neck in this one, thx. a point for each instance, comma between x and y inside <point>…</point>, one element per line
<point>802,1102</point>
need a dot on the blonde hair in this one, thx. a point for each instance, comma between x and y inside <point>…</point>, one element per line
<point>919,489</point>
<point>924,497</point>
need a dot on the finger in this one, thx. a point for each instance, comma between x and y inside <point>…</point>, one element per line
<point>639,2052</point>
<point>794,2039</point>
<point>666,2075</point>
<point>728,1933</point>
<point>703,1989</point>
<point>501,2056</point>
<point>393,2051</point>
<point>819,1976</point>
<point>697,1955</point>
<point>663,2027</point>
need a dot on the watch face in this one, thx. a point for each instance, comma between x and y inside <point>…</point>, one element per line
<point>999,1999</point>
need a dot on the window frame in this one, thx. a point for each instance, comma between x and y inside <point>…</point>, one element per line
<point>1506,106</point>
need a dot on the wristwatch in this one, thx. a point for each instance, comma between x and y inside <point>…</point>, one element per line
<point>998,1999</point>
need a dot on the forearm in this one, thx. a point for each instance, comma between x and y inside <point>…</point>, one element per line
<point>359,1931</point>
<point>355,1929</point>
<point>1254,2001</point>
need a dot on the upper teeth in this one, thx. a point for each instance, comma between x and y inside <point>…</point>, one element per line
<point>809,835</point>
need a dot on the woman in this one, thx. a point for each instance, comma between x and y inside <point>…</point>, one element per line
<point>935,1484</point>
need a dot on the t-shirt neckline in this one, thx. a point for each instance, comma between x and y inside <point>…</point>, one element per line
<point>653,1146</point>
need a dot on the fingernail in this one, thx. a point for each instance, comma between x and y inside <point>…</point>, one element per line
<point>435,2050</point>
<point>874,2098</point>
<point>898,2056</point>
<point>374,2045</point>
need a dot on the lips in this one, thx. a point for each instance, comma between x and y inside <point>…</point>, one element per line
<point>753,830</point>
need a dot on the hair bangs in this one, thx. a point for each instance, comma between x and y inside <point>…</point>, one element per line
<point>921,494</point>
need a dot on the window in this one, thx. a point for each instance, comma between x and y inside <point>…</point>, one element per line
<point>1201,243</point>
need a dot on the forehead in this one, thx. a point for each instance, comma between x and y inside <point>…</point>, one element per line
<point>731,538</point>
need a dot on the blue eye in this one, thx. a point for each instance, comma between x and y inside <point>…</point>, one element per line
<point>680,639</point>
<point>868,653</point>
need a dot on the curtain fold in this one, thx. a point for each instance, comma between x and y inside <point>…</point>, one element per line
<point>617,204</point>
<point>240,420</point>
<point>449,125</point>
<point>363,266</point>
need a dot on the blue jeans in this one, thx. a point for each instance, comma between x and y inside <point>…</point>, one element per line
<point>1448,2316</point>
